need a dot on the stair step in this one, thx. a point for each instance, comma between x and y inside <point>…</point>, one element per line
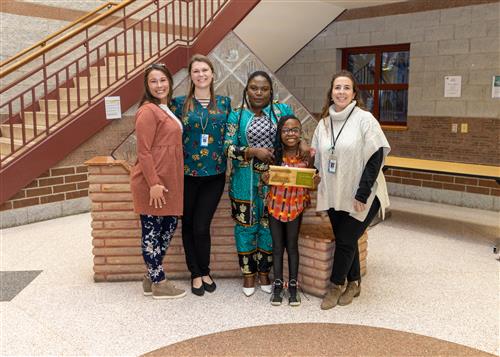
<point>17,130</point>
<point>93,83</point>
<point>5,147</point>
<point>84,94</point>
<point>63,105</point>
<point>40,118</point>
<point>120,59</point>
<point>103,70</point>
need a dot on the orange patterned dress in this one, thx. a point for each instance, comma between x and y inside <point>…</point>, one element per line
<point>287,203</point>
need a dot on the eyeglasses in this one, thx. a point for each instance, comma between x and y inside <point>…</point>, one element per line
<point>286,131</point>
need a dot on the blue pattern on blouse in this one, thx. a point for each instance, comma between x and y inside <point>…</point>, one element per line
<point>209,160</point>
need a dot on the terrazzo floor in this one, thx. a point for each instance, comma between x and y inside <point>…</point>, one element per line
<point>431,271</point>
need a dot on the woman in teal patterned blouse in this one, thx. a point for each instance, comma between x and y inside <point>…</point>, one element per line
<point>204,117</point>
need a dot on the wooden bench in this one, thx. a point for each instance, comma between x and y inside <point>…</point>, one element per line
<point>435,166</point>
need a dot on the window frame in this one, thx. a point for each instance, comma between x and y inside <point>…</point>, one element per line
<point>377,86</point>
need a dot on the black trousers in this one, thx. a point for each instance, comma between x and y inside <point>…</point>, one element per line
<point>347,231</point>
<point>201,197</point>
<point>285,235</point>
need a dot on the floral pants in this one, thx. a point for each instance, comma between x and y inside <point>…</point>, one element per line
<point>157,232</point>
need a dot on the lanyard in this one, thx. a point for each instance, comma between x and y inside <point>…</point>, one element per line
<point>334,141</point>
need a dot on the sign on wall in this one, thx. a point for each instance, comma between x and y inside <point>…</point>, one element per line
<point>495,87</point>
<point>452,86</point>
<point>113,107</point>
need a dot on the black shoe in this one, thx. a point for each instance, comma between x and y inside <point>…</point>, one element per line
<point>278,292</point>
<point>197,291</point>
<point>294,298</point>
<point>210,288</point>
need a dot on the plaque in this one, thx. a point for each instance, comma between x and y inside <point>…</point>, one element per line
<point>291,176</point>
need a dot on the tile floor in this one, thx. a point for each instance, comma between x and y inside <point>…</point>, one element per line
<point>431,271</point>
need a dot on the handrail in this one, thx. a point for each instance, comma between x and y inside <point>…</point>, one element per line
<point>63,39</point>
<point>43,42</point>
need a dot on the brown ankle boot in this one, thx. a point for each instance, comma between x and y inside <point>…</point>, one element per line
<point>332,297</point>
<point>353,290</point>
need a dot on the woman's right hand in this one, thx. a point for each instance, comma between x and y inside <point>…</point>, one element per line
<point>263,154</point>
<point>156,196</point>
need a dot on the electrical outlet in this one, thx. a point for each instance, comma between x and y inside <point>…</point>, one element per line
<point>464,128</point>
<point>454,128</point>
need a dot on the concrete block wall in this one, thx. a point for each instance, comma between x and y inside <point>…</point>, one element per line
<point>461,41</point>
<point>446,38</point>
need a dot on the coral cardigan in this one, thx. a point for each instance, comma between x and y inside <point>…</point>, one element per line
<point>159,161</point>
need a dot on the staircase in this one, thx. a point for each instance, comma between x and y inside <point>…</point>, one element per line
<point>49,111</point>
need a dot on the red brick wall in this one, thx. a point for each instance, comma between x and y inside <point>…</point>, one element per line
<point>431,138</point>
<point>57,184</point>
<point>441,181</point>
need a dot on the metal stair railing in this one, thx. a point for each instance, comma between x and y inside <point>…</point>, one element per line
<point>68,78</point>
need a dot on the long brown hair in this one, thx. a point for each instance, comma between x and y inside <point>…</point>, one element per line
<point>147,96</point>
<point>329,100</point>
<point>188,103</point>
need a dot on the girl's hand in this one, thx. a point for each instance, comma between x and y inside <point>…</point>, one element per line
<point>317,180</point>
<point>263,154</point>
<point>265,177</point>
<point>359,206</point>
<point>156,196</point>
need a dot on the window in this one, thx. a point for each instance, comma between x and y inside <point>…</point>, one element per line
<point>382,76</point>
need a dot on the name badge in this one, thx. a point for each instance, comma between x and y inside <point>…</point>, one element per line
<point>332,164</point>
<point>204,140</point>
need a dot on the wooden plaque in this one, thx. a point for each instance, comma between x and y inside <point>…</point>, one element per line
<point>291,176</point>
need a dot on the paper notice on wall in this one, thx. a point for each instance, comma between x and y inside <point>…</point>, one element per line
<point>452,86</point>
<point>495,87</point>
<point>113,107</point>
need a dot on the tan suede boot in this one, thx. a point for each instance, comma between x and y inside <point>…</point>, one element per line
<point>165,289</point>
<point>332,297</point>
<point>146,286</point>
<point>353,290</point>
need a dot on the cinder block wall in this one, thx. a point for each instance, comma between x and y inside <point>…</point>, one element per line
<point>446,40</point>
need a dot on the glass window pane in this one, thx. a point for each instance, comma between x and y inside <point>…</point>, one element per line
<point>367,98</point>
<point>395,67</point>
<point>393,106</point>
<point>362,66</point>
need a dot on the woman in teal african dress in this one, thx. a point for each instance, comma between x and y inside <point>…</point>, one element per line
<point>250,135</point>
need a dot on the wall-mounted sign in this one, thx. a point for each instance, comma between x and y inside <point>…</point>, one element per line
<point>452,86</point>
<point>495,87</point>
<point>113,107</point>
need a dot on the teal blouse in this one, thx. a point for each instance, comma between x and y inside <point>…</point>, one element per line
<point>208,159</point>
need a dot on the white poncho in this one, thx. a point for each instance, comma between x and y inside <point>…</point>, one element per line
<point>361,137</point>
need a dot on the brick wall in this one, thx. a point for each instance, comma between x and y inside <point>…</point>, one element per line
<point>116,232</point>
<point>57,184</point>
<point>116,236</point>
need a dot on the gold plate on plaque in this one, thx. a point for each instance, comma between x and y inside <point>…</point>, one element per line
<point>291,176</point>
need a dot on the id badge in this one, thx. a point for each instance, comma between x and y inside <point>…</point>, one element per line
<point>204,140</point>
<point>332,164</point>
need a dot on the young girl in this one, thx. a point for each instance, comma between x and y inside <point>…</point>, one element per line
<point>285,206</point>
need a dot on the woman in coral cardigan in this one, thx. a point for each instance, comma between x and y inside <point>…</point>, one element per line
<point>157,178</point>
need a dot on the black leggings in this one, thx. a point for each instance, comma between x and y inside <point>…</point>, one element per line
<point>285,235</point>
<point>347,231</point>
<point>201,197</point>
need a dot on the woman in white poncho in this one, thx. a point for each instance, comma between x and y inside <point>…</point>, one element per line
<point>350,150</point>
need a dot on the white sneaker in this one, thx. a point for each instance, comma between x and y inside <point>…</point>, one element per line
<point>248,291</point>
<point>267,288</point>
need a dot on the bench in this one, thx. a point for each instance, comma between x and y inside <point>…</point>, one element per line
<point>446,167</point>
